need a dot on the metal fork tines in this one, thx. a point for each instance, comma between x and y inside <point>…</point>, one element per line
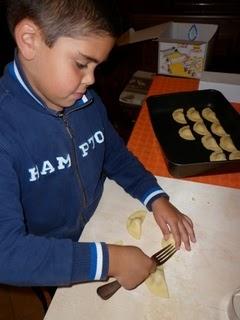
<point>107,290</point>
<point>163,255</point>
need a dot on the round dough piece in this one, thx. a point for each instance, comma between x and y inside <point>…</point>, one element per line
<point>134,223</point>
<point>218,129</point>
<point>186,133</point>
<point>227,144</point>
<point>178,116</point>
<point>156,283</point>
<point>218,156</point>
<point>210,143</point>
<point>193,115</point>
<point>200,128</point>
<point>209,115</point>
<point>235,155</point>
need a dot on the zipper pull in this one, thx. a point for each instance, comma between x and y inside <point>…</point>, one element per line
<point>62,116</point>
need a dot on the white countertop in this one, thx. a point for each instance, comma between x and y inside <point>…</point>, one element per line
<point>227,83</point>
<point>200,282</point>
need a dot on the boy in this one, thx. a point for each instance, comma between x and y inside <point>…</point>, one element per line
<point>56,149</point>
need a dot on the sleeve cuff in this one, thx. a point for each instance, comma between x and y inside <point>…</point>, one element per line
<point>90,262</point>
<point>153,195</point>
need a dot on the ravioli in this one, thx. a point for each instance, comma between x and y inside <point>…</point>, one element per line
<point>200,128</point>
<point>170,240</point>
<point>193,115</point>
<point>227,144</point>
<point>209,115</point>
<point>217,129</point>
<point>186,133</point>
<point>218,156</point>
<point>210,143</point>
<point>235,155</point>
<point>156,282</point>
<point>178,116</point>
<point>134,223</point>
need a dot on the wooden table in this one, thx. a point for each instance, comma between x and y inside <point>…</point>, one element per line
<point>145,146</point>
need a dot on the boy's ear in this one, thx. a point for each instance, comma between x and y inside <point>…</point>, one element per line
<point>27,37</point>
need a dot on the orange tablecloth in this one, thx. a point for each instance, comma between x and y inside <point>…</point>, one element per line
<point>145,146</point>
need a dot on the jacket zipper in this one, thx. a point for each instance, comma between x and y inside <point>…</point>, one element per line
<point>75,162</point>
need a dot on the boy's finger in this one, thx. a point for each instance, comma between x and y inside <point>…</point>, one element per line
<point>188,219</point>
<point>176,236</point>
<point>190,231</point>
<point>184,236</point>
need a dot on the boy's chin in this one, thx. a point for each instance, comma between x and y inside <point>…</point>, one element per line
<point>69,103</point>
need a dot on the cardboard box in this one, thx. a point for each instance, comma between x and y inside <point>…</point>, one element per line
<point>183,48</point>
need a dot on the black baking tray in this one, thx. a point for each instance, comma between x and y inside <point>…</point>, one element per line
<point>189,158</point>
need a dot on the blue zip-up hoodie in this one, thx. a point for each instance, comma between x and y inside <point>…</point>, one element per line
<point>52,170</point>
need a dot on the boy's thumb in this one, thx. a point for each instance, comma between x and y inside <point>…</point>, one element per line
<point>154,266</point>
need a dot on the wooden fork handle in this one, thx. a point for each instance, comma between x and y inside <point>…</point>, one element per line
<point>106,291</point>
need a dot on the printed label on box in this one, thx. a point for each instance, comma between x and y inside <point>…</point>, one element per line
<point>181,59</point>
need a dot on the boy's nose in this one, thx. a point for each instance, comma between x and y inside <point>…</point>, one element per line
<point>88,79</point>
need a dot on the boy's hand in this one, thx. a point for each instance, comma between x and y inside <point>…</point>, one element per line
<point>171,220</point>
<point>129,265</point>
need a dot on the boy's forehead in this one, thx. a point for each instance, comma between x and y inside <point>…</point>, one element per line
<point>94,48</point>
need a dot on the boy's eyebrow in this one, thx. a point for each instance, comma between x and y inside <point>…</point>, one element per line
<point>88,57</point>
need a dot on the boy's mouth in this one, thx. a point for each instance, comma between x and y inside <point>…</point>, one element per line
<point>78,95</point>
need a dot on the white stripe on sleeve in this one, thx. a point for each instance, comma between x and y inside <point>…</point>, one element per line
<point>99,264</point>
<point>151,195</point>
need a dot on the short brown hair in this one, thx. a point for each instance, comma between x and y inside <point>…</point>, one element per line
<point>69,18</point>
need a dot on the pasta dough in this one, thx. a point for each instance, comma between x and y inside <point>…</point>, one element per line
<point>186,133</point>
<point>210,143</point>
<point>193,114</point>
<point>134,223</point>
<point>170,240</point>
<point>119,242</point>
<point>235,155</point>
<point>156,283</point>
<point>200,128</point>
<point>178,116</point>
<point>217,129</point>
<point>227,144</point>
<point>217,156</point>
<point>209,115</point>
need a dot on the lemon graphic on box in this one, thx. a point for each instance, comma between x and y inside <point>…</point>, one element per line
<point>176,63</point>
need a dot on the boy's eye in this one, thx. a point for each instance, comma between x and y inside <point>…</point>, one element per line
<point>81,65</point>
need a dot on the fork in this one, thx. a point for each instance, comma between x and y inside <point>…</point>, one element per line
<point>106,291</point>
